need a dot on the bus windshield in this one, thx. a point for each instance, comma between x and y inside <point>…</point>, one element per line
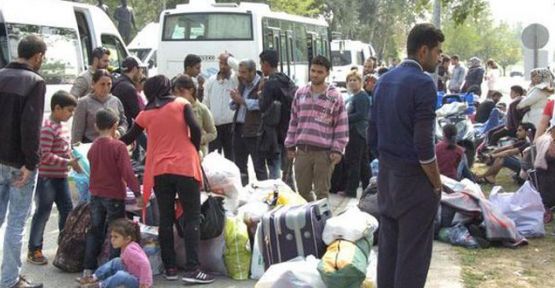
<point>61,64</point>
<point>208,26</point>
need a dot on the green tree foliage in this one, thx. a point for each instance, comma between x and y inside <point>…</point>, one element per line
<point>483,38</point>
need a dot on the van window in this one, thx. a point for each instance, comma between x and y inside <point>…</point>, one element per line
<point>141,53</point>
<point>208,26</point>
<point>341,59</point>
<point>117,50</point>
<point>3,46</point>
<point>61,64</point>
<point>85,36</point>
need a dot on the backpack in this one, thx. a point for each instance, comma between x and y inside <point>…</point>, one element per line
<point>70,256</point>
<point>288,94</point>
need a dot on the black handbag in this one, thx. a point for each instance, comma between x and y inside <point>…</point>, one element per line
<point>212,214</point>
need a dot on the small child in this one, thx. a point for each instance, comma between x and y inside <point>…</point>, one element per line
<point>449,154</point>
<point>110,172</point>
<point>132,269</point>
<point>52,185</point>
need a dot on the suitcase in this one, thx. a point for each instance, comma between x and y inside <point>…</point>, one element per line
<point>291,231</point>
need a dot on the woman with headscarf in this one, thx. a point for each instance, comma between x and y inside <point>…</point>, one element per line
<point>172,167</point>
<point>474,77</point>
<point>540,89</point>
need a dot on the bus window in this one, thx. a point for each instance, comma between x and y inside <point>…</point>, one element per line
<point>62,62</point>
<point>208,26</point>
<point>117,50</point>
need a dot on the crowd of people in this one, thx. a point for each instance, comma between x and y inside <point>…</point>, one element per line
<point>318,140</point>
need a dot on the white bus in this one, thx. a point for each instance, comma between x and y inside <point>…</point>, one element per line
<point>346,54</point>
<point>208,29</point>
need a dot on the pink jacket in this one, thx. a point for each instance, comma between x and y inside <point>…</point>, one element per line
<point>136,263</point>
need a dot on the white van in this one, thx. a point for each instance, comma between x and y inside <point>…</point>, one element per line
<point>346,54</point>
<point>145,46</point>
<point>71,31</point>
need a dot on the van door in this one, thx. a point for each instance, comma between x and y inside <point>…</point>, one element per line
<point>85,36</point>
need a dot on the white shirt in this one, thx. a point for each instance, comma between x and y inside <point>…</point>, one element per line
<point>217,96</point>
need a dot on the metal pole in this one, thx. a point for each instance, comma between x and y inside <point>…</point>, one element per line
<point>437,13</point>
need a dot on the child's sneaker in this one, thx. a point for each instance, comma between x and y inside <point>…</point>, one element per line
<point>198,277</point>
<point>36,257</point>
<point>171,274</point>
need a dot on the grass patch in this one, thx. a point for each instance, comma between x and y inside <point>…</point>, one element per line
<point>529,266</point>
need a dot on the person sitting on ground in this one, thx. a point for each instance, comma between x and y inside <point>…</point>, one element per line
<point>132,269</point>
<point>485,108</point>
<point>546,173</point>
<point>514,117</point>
<point>448,153</point>
<point>507,156</point>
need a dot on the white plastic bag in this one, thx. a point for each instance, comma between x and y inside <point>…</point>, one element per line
<point>351,225</point>
<point>298,272</point>
<point>524,207</point>
<point>223,175</point>
<point>257,261</point>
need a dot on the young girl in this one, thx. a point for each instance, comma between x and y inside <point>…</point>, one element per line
<point>132,269</point>
<point>449,154</point>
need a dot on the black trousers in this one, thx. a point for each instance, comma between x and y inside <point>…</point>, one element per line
<point>242,148</point>
<point>408,206</point>
<point>223,141</point>
<point>498,134</point>
<point>346,175</point>
<point>187,188</point>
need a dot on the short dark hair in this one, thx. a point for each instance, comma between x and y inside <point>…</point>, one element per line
<point>191,60</point>
<point>63,99</point>
<point>29,46</point>
<point>98,53</point>
<point>270,56</point>
<point>495,93</point>
<point>424,34</point>
<point>322,61</point>
<point>529,128</point>
<point>99,73</point>
<point>518,89</point>
<point>105,119</point>
<point>450,135</point>
<point>183,81</point>
<point>455,57</point>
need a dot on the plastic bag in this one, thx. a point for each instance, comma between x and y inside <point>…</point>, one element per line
<point>351,225</point>
<point>237,255</point>
<point>223,175</point>
<point>273,192</point>
<point>299,272</point>
<point>81,181</point>
<point>524,207</point>
<point>151,246</point>
<point>458,235</point>
<point>210,253</point>
<point>212,218</point>
<point>257,261</point>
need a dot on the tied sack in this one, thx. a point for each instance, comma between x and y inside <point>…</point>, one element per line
<point>237,255</point>
<point>345,263</point>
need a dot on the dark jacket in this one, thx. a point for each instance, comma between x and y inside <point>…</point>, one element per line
<point>473,80</point>
<point>125,90</point>
<point>483,111</point>
<point>276,112</point>
<point>22,93</point>
<point>252,118</point>
<point>357,108</point>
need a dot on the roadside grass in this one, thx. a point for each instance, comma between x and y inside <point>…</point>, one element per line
<point>529,266</point>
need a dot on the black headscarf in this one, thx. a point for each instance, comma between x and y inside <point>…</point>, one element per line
<point>157,91</point>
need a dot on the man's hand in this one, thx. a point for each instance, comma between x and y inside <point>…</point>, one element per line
<point>335,157</point>
<point>74,163</point>
<point>236,97</point>
<point>291,154</point>
<point>23,178</point>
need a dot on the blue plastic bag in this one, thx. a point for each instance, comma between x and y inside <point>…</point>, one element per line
<point>81,179</point>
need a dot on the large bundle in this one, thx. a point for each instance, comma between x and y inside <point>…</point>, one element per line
<point>345,263</point>
<point>70,255</point>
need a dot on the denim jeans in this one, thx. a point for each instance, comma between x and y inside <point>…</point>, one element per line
<point>273,162</point>
<point>112,274</point>
<point>166,186</point>
<point>103,212</point>
<point>18,210</point>
<point>49,191</point>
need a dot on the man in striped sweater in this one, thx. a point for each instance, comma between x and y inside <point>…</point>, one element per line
<point>52,185</point>
<point>318,132</point>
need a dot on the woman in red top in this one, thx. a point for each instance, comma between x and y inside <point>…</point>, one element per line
<point>172,166</point>
<point>449,154</point>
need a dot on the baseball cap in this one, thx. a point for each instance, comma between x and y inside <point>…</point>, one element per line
<point>129,63</point>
